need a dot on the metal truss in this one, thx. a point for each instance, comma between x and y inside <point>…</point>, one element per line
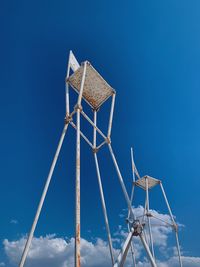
<point>94,90</point>
<point>146,183</point>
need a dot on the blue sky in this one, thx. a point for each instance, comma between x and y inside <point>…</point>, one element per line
<point>149,52</point>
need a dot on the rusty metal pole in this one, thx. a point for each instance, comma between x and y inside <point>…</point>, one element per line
<point>77,235</point>
<point>77,200</point>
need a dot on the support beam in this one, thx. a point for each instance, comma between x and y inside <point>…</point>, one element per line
<point>152,261</point>
<point>121,181</point>
<point>91,122</point>
<point>111,115</point>
<point>82,135</point>
<point>104,208</point>
<point>174,223</point>
<point>103,203</point>
<point>78,167</point>
<point>123,253</point>
<point>148,218</point>
<point>30,237</point>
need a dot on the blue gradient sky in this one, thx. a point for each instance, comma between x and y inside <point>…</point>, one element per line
<point>149,51</point>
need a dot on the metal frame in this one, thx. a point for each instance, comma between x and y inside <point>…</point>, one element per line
<point>135,227</point>
<point>146,217</point>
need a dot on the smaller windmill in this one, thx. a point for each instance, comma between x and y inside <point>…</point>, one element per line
<point>146,183</point>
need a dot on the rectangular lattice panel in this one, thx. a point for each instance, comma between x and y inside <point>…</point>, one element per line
<point>151,182</point>
<point>96,90</point>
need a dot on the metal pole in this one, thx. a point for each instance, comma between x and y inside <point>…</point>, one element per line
<point>111,115</point>
<point>147,250</point>
<point>84,137</point>
<point>77,200</point>
<point>132,165</point>
<point>131,199</point>
<point>67,86</point>
<point>148,219</point>
<point>178,249</point>
<point>175,225</point>
<point>132,249</point>
<point>167,203</point>
<point>121,181</point>
<point>95,130</point>
<point>123,253</point>
<point>91,122</point>
<point>102,193</point>
<point>134,169</point>
<point>104,208</point>
<point>30,237</point>
<point>77,235</point>
<point>82,84</point>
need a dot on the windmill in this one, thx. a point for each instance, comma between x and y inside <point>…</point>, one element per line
<point>146,183</point>
<point>91,88</point>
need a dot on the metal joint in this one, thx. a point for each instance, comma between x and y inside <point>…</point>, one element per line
<point>68,119</point>
<point>108,140</point>
<point>96,109</point>
<point>78,107</point>
<point>138,228</point>
<point>95,150</point>
<point>175,226</point>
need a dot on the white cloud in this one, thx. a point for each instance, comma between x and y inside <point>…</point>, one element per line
<point>55,251</point>
<point>51,251</point>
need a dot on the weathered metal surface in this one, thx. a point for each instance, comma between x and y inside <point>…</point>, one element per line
<point>77,208</point>
<point>151,182</point>
<point>96,90</point>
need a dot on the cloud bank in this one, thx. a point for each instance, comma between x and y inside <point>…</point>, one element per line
<point>53,251</point>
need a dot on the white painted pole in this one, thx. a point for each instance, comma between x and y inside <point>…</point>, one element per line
<point>102,193</point>
<point>30,237</point>
<point>95,130</point>
<point>132,249</point>
<point>148,218</point>
<point>67,87</point>
<point>121,181</point>
<point>123,253</point>
<point>91,122</point>
<point>82,84</point>
<point>134,169</point>
<point>111,115</point>
<point>132,165</point>
<point>175,225</point>
<point>167,203</point>
<point>178,249</point>
<point>82,134</point>
<point>104,209</point>
<point>77,211</point>
<point>77,200</point>
<point>152,261</point>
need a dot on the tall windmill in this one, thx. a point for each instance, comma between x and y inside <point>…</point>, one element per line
<point>92,89</point>
<point>146,183</point>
